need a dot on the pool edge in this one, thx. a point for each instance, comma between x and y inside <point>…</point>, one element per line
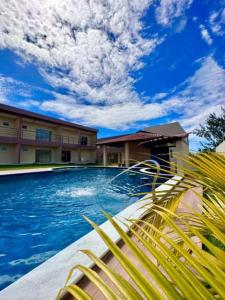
<point>46,279</point>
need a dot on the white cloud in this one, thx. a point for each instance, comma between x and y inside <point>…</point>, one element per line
<point>118,116</point>
<point>91,48</point>
<point>8,85</point>
<point>217,21</point>
<point>181,25</point>
<point>88,47</point>
<point>168,10</point>
<point>205,35</point>
<point>192,101</point>
<point>11,88</point>
<point>199,95</point>
<point>69,107</point>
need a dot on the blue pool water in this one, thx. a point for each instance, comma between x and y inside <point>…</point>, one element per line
<point>40,214</point>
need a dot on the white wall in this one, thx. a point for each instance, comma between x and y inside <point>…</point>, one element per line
<point>221,148</point>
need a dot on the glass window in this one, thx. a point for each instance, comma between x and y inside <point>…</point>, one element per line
<point>4,149</point>
<point>83,140</point>
<point>43,134</point>
<point>5,123</point>
<point>43,156</point>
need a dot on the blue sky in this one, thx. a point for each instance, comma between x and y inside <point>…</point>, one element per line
<point>115,65</point>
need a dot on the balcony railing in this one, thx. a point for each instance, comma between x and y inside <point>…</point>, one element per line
<point>32,135</point>
<point>7,132</point>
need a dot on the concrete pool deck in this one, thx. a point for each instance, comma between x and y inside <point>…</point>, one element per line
<point>24,171</point>
<point>88,286</point>
<point>43,282</point>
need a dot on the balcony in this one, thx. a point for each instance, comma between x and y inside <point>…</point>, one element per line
<point>8,135</point>
<point>29,137</point>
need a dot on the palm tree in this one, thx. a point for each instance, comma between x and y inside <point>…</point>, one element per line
<point>177,253</point>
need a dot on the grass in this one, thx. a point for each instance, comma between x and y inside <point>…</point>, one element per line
<point>30,166</point>
<point>38,166</point>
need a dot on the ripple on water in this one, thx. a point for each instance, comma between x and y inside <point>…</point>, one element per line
<point>42,213</point>
<point>77,192</point>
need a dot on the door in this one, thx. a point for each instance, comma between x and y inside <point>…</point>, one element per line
<point>43,156</point>
<point>66,156</point>
<point>161,155</point>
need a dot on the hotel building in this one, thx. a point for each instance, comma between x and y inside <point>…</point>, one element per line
<point>27,137</point>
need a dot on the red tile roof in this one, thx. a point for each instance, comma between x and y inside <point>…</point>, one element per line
<point>141,136</point>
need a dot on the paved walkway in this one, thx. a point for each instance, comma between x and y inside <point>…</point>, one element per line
<point>25,171</point>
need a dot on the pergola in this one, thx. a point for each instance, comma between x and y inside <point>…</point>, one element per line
<point>141,137</point>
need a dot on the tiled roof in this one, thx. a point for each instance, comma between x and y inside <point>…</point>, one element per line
<point>141,136</point>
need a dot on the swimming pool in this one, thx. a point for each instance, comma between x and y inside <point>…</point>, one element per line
<point>40,214</point>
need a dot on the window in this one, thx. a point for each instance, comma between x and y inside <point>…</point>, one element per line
<point>4,149</point>
<point>66,156</point>
<point>43,156</point>
<point>83,140</point>
<point>43,135</point>
<point>25,149</point>
<point>24,126</point>
<point>186,140</point>
<point>5,123</point>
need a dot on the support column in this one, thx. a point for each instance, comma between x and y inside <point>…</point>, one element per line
<point>126,154</point>
<point>19,137</point>
<point>104,150</point>
<point>119,159</point>
<point>18,149</point>
<point>58,154</point>
<point>79,156</point>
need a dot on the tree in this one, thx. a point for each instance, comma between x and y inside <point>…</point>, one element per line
<point>170,253</point>
<point>213,131</point>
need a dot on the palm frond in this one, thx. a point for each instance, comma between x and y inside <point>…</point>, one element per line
<point>177,254</point>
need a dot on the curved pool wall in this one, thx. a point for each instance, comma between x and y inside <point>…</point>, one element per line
<point>41,214</point>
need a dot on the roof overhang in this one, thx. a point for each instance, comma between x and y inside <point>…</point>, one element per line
<point>24,113</point>
<point>141,137</point>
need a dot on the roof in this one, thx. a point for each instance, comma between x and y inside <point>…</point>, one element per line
<point>112,137</point>
<point>138,136</point>
<point>166,138</point>
<point>29,114</point>
<point>141,136</point>
<point>169,129</point>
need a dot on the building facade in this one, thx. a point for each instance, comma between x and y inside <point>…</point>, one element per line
<point>27,137</point>
<point>164,143</point>
<point>221,148</point>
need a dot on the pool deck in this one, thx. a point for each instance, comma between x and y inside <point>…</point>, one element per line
<point>191,198</point>
<point>46,279</point>
<point>24,171</point>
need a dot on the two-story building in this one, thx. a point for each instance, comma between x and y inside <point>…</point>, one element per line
<point>27,137</point>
